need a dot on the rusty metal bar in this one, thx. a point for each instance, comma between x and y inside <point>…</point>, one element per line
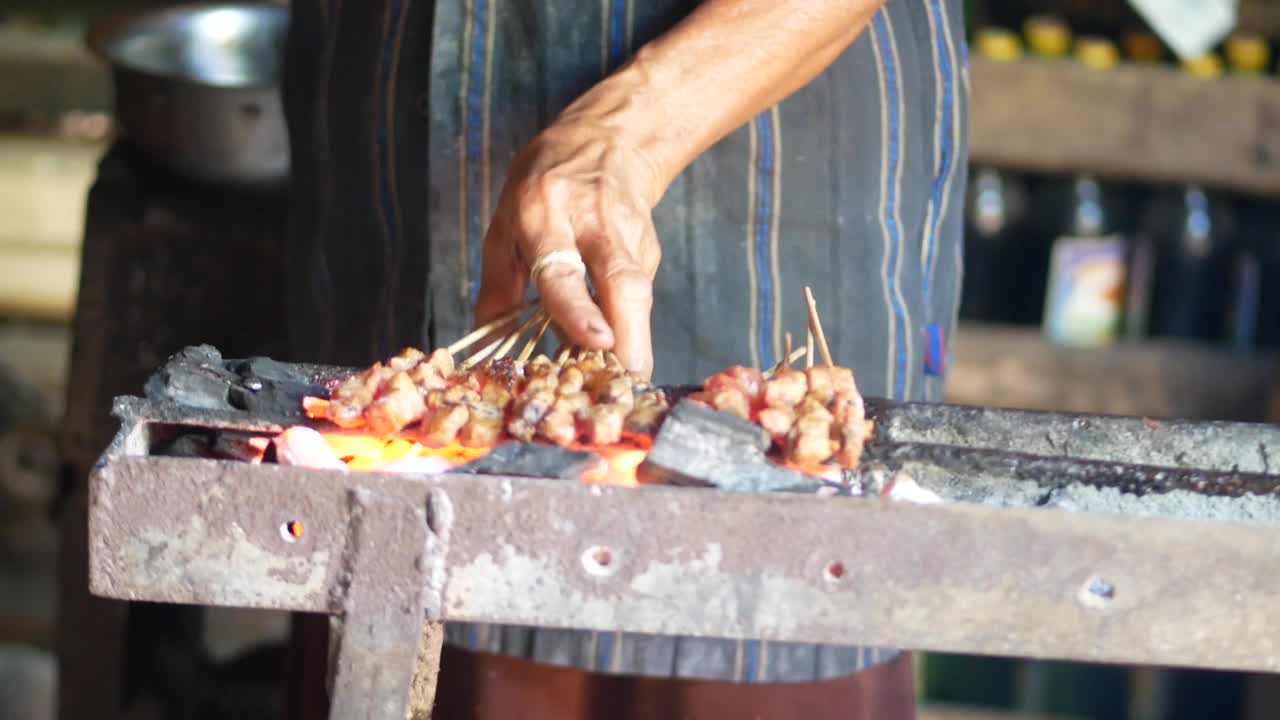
<point>954,577</point>
<point>389,589</point>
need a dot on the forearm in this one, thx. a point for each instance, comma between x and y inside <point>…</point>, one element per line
<point>726,62</point>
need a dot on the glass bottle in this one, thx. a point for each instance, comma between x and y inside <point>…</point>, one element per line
<point>996,206</point>
<point>1087,268</point>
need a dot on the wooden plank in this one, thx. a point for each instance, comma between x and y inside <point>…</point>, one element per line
<point>1149,123</point>
<point>44,74</point>
<point>44,183</point>
<point>38,282</point>
<point>1015,367</point>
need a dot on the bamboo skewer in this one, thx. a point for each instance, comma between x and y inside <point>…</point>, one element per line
<point>808,346</point>
<point>514,337</point>
<point>533,341</point>
<point>794,356</point>
<point>786,353</point>
<point>483,331</point>
<point>481,355</point>
<point>815,325</point>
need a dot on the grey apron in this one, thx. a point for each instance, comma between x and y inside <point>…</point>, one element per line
<point>405,114</point>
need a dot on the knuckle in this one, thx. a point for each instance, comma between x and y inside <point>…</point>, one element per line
<point>629,284</point>
<point>535,197</point>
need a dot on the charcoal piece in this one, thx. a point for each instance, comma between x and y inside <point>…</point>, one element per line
<point>533,460</point>
<point>195,378</point>
<point>231,445</point>
<point>264,368</point>
<point>268,398</point>
<point>188,445</point>
<point>700,446</point>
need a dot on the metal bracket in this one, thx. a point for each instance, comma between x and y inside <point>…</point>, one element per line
<point>394,576</point>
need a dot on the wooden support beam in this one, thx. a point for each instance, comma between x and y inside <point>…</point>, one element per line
<point>1017,367</point>
<point>1147,123</point>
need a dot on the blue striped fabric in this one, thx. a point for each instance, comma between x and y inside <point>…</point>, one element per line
<point>403,132</point>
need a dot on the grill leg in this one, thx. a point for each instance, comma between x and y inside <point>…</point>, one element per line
<point>426,671</point>
<point>394,568</point>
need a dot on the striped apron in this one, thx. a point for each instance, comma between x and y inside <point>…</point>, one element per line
<point>405,115</point>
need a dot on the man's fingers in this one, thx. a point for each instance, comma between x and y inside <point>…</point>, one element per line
<point>563,289</point>
<point>626,296</point>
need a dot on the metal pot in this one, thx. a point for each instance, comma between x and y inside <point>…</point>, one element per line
<point>197,89</point>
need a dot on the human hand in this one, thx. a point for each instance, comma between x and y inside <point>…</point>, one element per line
<point>578,187</point>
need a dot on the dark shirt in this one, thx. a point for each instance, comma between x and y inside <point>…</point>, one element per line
<point>405,114</point>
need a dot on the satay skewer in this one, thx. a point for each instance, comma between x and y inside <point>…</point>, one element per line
<point>488,328</point>
<point>514,337</point>
<point>481,355</point>
<point>533,341</point>
<point>815,324</point>
<point>786,352</point>
<point>808,346</point>
<point>794,356</point>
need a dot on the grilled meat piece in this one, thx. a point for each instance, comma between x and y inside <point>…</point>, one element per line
<point>809,442</point>
<point>406,359</point>
<point>540,366</point>
<point>604,424</point>
<point>483,428</point>
<point>462,393</point>
<point>528,409</point>
<point>428,376</point>
<point>615,390</point>
<point>812,407</point>
<point>746,379</point>
<point>733,401</point>
<point>785,389</point>
<point>496,397</point>
<point>852,438</point>
<point>441,360</point>
<point>353,395</point>
<point>842,382</point>
<point>571,379</point>
<point>399,405</point>
<point>821,383</point>
<point>559,425</point>
<point>443,426</point>
<point>649,410</point>
<point>504,372</point>
<point>577,404</point>
<point>777,422</point>
<point>547,383</point>
<point>345,413</point>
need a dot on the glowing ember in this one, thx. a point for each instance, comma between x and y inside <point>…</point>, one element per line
<point>315,408</point>
<point>366,452</point>
<point>358,451</point>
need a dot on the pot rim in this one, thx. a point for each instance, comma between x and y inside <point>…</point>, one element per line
<point>105,32</point>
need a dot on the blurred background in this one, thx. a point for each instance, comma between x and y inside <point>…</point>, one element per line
<point>1122,256</point>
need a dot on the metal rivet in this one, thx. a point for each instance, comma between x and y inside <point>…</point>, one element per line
<point>599,560</point>
<point>291,531</point>
<point>833,572</point>
<point>1097,592</point>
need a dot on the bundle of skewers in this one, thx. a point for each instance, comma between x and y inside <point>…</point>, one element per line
<point>815,415</point>
<point>476,391</point>
<point>481,390</point>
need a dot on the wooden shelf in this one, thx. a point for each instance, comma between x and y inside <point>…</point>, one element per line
<point>1017,367</point>
<point>1145,123</point>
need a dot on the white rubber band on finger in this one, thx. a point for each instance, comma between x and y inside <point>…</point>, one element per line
<point>556,257</point>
